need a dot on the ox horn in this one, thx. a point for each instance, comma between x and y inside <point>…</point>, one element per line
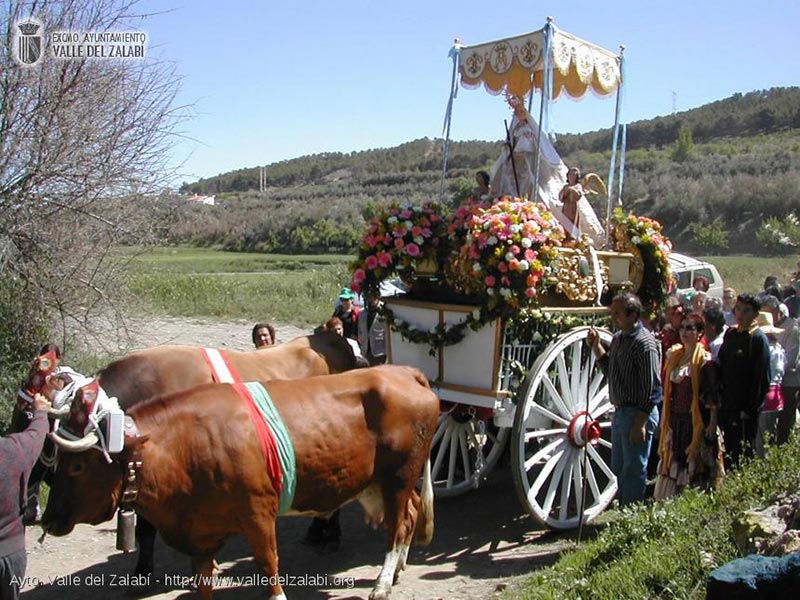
<point>58,413</point>
<point>80,445</point>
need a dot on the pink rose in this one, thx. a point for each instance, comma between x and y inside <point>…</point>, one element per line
<point>359,276</point>
<point>371,262</point>
<point>399,243</point>
<point>515,249</point>
<point>530,292</point>
<point>413,250</point>
<point>384,259</point>
<point>503,267</point>
<point>490,281</point>
<point>356,287</point>
<point>530,255</point>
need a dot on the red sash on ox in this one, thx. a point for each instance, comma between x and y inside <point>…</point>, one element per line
<point>222,370</point>
<point>265,437</point>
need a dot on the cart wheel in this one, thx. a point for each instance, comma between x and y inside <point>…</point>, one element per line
<point>465,448</point>
<point>561,451</point>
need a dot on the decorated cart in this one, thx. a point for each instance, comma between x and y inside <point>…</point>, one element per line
<point>502,291</point>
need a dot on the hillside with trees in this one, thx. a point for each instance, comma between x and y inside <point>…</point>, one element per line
<point>720,177</point>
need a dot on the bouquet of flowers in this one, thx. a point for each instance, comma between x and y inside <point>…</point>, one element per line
<point>646,236</point>
<point>397,239</point>
<point>507,251</point>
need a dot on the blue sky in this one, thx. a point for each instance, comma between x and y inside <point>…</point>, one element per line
<point>270,81</point>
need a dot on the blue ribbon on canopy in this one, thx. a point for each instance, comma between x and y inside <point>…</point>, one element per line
<point>455,55</point>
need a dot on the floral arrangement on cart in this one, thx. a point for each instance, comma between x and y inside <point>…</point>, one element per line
<point>506,257</point>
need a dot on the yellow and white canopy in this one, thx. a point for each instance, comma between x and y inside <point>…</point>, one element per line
<point>515,64</point>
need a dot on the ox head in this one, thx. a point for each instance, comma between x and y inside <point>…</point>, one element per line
<point>88,483</point>
<point>40,376</point>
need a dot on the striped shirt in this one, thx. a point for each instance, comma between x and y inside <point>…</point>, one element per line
<point>632,366</point>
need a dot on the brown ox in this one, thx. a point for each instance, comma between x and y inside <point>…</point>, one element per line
<point>166,369</point>
<point>361,435</point>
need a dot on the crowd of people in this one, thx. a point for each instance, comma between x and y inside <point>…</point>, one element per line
<point>709,382</point>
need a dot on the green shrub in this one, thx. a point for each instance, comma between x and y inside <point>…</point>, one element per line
<point>23,329</point>
<point>779,236</point>
<point>711,236</point>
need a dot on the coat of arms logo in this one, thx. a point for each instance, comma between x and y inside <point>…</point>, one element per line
<point>29,43</point>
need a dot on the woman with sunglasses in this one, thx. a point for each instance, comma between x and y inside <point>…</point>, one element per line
<point>688,448</point>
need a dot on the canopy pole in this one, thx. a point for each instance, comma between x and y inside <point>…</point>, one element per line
<point>455,54</point>
<point>546,93</point>
<point>611,169</point>
<point>624,136</point>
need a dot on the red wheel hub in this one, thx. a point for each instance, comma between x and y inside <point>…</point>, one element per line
<point>583,430</point>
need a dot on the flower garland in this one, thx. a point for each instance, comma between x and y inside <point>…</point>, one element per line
<point>397,238</point>
<point>645,235</point>
<point>440,335</point>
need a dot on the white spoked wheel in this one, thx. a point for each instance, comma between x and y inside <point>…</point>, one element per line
<point>465,448</point>
<point>561,451</point>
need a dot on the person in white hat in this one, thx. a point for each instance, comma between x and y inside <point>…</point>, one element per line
<point>773,402</point>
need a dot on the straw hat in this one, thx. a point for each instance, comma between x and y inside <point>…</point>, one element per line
<point>765,324</point>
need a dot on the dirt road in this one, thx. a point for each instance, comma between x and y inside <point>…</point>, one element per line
<point>482,543</point>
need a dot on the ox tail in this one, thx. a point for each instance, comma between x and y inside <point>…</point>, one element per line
<point>423,533</point>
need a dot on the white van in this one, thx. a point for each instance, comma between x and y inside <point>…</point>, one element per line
<point>686,269</point>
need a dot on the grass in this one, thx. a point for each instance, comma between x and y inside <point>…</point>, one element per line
<point>299,298</point>
<point>182,259</point>
<point>747,273</point>
<point>667,549</point>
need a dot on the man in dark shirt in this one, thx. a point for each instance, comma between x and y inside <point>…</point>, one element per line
<point>744,364</point>
<point>631,366</point>
<point>18,454</point>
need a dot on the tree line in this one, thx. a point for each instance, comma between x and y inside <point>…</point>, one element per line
<point>713,175</point>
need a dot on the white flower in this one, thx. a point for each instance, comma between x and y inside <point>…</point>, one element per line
<point>537,337</point>
<point>515,228</point>
<point>476,314</point>
<point>492,241</point>
<point>476,267</point>
<point>509,255</point>
<point>524,265</point>
<point>419,240</point>
<point>636,240</point>
<point>505,292</point>
<point>490,291</point>
<point>409,225</point>
<point>526,242</point>
<point>392,220</point>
